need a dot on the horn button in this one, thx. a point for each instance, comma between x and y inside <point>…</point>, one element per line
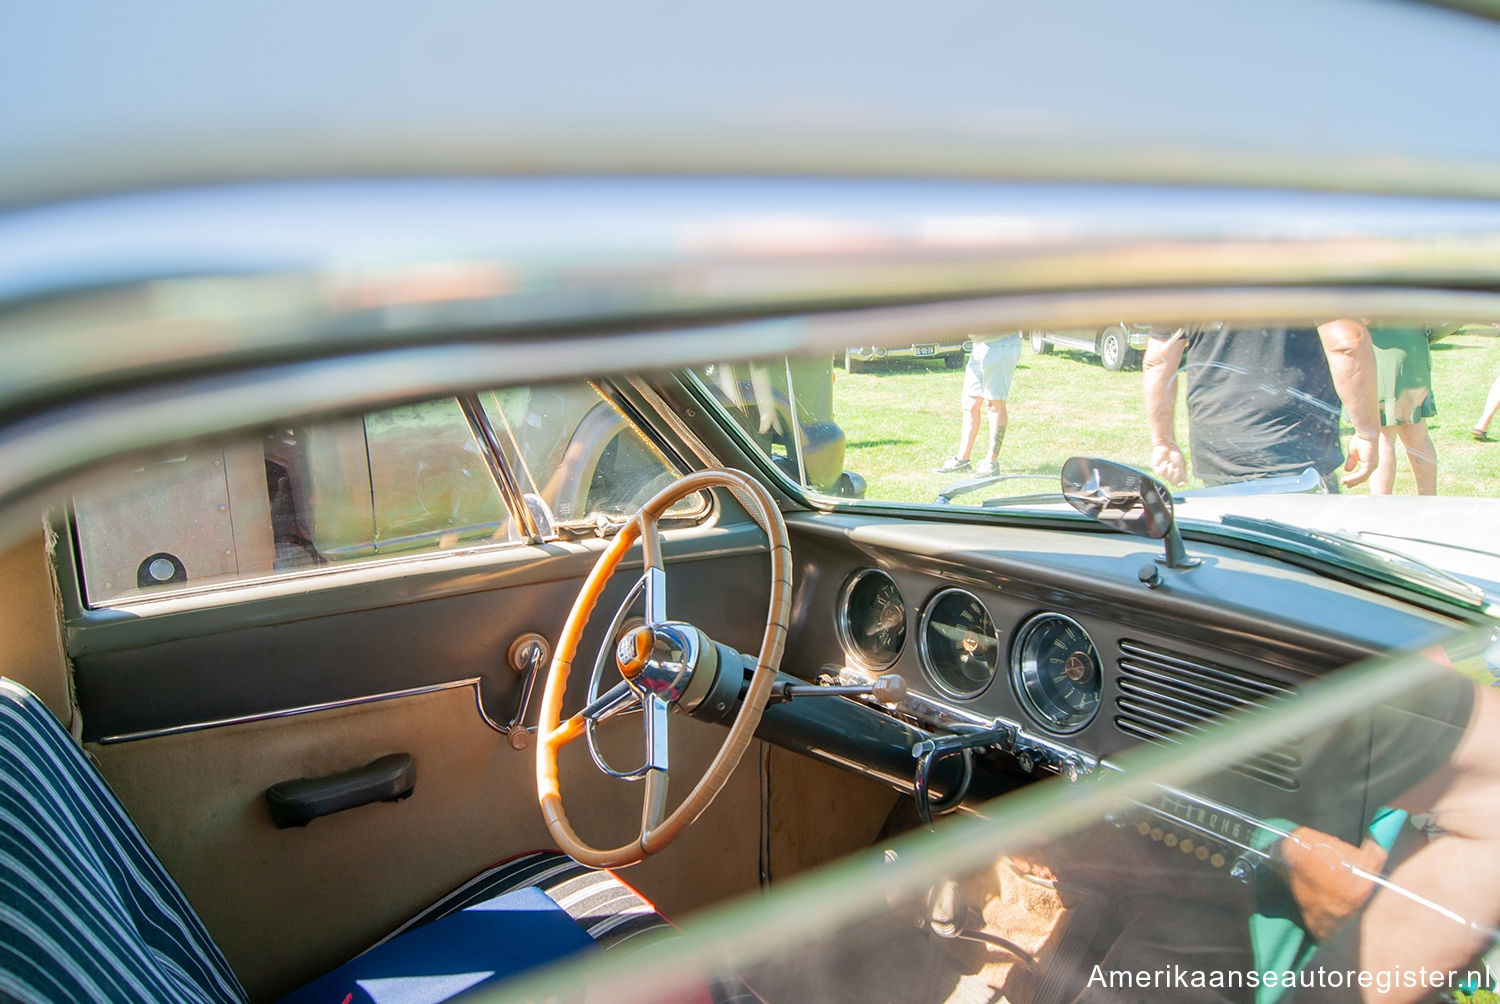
<point>658,659</point>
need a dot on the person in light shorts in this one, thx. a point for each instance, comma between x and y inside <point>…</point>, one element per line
<point>992,363</point>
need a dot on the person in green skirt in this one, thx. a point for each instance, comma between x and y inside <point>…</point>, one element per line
<point>1403,367</point>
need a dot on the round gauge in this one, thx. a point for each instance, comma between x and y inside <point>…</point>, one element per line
<point>1055,668</point>
<point>872,619</point>
<point>958,643</point>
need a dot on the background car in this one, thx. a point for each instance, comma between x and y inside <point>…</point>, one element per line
<point>858,358</point>
<point>1118,346</point>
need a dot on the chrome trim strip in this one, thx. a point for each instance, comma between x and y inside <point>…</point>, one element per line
<point>175,730</point>
<point>494,457</point>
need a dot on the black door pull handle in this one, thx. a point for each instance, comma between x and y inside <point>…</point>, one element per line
<point>298,802</point>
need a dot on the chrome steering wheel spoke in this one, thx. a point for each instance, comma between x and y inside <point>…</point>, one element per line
<point>654,805</point>
<point>654,577</point>
<point>655,581</point>
<point>618,700</point>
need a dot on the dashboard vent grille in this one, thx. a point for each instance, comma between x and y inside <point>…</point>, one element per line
<point>1166,698</point>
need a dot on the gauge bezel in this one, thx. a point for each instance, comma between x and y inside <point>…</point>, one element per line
<point>1019,675</point>
<point>924,654</point>
<point>841,621</point>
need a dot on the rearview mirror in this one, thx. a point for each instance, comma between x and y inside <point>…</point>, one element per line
<point>1127,500</point>
<point>1118,496</point>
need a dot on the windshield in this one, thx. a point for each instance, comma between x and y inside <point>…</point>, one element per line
<point>1368,431</point>
<point>1171,875</point>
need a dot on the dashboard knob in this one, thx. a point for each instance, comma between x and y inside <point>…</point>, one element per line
<point>889,690</point>
<point>1025,761</point>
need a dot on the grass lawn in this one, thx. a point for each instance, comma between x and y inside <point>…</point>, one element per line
<point>902,420</point>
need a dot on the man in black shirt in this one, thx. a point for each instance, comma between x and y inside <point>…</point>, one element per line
<point>1264,402</point>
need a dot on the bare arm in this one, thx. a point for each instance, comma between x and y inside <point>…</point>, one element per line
<point>1159,383</point>
<point>1326,890</point>
<point>1351,361</point>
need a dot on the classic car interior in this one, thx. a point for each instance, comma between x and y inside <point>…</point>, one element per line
<point>433,475</point>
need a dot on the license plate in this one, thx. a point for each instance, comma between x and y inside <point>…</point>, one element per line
<point>924,350</point>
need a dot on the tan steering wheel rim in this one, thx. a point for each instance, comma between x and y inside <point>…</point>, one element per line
<point>553,733</point>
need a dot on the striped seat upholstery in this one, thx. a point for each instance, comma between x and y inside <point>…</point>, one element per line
<point>88,913</point>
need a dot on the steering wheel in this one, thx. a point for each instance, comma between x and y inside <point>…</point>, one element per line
<point>664,664</point>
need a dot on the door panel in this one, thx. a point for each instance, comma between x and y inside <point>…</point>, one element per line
<point>288,904</point>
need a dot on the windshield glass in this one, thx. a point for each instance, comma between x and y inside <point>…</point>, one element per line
<point>1369,431</point>
<point>1329,843</point>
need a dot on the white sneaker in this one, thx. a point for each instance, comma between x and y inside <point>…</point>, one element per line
<point>985,468</point>
<point>953,465</point>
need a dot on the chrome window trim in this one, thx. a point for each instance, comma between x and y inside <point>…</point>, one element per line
<point>684,432</point>
<point>307,709</point>
<point>500,473</point>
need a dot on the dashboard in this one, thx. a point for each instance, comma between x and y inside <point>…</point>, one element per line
<point>1053,664</point>
<point>1052,640</point>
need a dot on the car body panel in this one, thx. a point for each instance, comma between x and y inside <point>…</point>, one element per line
<point>309,630</point>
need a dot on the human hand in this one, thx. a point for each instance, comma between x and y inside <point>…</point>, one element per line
<point>1364,457</point>
<point>1316,868</point>
<point>1166,460</point>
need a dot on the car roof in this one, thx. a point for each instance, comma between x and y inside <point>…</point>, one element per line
<point>1334,93</point>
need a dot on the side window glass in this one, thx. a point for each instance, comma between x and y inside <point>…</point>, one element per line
<point>572,447</point>
<point>407,480</point>
<point>430,483</point>
<point>401,481</point>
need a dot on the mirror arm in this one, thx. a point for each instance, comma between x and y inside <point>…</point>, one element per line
<point>1177,556</point>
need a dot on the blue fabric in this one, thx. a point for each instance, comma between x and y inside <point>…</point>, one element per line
<point>476,946</point>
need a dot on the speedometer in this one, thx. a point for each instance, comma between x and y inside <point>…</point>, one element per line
<point>958,644</point>
<point>872,619</point>
<point>1055,669</point>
